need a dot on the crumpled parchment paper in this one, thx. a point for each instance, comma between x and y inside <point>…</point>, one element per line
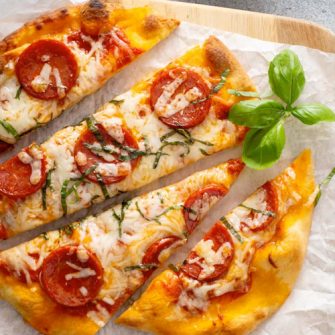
<point>310,310</point>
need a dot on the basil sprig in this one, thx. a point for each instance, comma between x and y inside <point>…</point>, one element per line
<point>265,140</point>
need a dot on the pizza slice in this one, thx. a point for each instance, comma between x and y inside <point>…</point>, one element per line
<point>175,117</point>
<point>242,270</point>
<point>71,281</point>
<point>53,62</point>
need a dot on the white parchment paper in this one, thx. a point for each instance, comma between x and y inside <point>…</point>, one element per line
<point>310,310</point>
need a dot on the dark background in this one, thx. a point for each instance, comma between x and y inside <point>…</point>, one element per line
<point>318,11</point>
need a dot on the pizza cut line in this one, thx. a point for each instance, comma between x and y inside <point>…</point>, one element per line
<point>71,281</point>
<point>242,270</point>
<point>175,117</point>
<point>53,62</point>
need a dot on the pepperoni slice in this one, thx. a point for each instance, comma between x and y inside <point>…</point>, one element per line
<point>152,253</point>
<point>92,159</point>
<point>260,220</point>
<point>194,264</point>
<point>198,202</point>
<point>15,177</point>
<point>72,276</point>
<point>60,70</point>
<point>163,91</point>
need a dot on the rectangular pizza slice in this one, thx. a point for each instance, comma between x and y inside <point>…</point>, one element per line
<point>71,281</point>
<point>242,270</point>
<point>53,62</point>
<point>173,118</point>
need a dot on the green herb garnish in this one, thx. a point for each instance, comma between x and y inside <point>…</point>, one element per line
<point>69,229</point>
<point>324,183</point>
<point>18,93</point>
<point>173,268</point>
<point>102,185</point>
<point>216,88</point>
<point>156,217</point>
<point>204,152</point>
<point>231,229</point>
<point>238,93</point>
<point>120,217</point>
<point>66,190</point>
<point>265,140</point>
<point>10,129</point>
<point>267,213</point>
<point>45,187</point>
<point>116,102</point>
<point>44,236</point>
<point>144,267</point>
<point>92,126</point>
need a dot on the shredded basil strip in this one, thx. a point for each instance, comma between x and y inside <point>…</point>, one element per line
<point>148,266</point>
<point>188,141</point>
<point>65,192</point>
<point>45,187</point>
<point>68,230</point>
<point>92,126</point>
<point>116,102</point>
<point>238,93</point>
<point>156,218</point>
<point>222,81</point>
<point>173,268</point>
<point>325,182</point>
<point>44,236</point>
<point>216,88</point>
<point>231,229</point>
<point>18,93</point>
<point>102,185</point>
<point>120,217</point>
<point>267,213</point>
<point>10,129</point>
<point>204,152</point>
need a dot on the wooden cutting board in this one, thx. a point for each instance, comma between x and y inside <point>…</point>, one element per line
<point>263,26</point>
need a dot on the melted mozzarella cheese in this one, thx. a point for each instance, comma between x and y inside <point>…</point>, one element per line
<point>200,206</point>
<point>34,159</point>
<point>82,272</point>
<point>114,128</point>
<point>113,169</point>
<point>41,82</point>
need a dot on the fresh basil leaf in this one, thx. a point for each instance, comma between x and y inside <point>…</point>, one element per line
<point>263,147</point>
<point>286,76</point>
<point>256,113</point>
<point>238,93</point>
<point>313,113</point>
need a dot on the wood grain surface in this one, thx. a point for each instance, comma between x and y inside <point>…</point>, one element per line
<point>263,26</point>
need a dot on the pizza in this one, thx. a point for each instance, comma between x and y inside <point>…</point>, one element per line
<point>175,117</point>
<point>242,270</point>
<point>53,62</point>
<point>72,280</point>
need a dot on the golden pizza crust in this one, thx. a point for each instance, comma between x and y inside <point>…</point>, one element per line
<point>275,268</point>
<point>221,58</point>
